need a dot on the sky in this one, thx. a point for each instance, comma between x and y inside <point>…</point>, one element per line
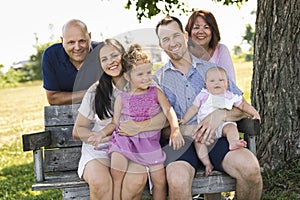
<point>22,20</point>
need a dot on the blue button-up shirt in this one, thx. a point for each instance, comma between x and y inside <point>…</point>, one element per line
<point>181,90</point>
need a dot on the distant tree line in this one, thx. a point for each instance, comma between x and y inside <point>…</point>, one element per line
<point>30,71</point>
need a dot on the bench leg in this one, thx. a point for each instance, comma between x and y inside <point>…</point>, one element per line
<point>252,145</point>
<point>38,165</point>
<point>212,196</point>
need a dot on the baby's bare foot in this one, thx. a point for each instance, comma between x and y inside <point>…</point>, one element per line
<point>237,145</point>
<point>208,169</point>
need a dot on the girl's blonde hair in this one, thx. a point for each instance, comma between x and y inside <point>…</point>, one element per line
<point>133,57</point>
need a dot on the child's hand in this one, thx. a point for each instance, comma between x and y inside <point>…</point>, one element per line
<point>95,138</point>
<point>176,139</point>
<point>181,121</point>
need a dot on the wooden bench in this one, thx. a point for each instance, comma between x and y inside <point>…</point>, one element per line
<point>56,155</point>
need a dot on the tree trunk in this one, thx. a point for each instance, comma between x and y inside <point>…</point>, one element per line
<point>275,85</point>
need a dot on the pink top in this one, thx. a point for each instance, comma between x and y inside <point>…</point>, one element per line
<point>143,148</point>
<point>207,102</point>
<point>222,57</point>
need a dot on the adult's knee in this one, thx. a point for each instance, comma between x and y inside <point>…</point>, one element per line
<point>177,180</point>
<point>100,185</point>
<point>133,184</point>
<point>252,173</point>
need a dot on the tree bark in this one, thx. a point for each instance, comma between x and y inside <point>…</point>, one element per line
<point>275,89</point>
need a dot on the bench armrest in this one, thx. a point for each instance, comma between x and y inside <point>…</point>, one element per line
<point>248,126</point>
<point>35,141</point>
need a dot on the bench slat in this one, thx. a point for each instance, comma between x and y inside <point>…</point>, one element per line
<point>214,183</point>
<point>63,159</point>
<point>60,115</point>
<point>56,184</point>
<point>59,180</point>
<point>80,193</point>
<point>61,136</point>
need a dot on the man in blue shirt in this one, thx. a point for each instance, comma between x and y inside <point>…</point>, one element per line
<point>61,63</point>
<point>181,79</point>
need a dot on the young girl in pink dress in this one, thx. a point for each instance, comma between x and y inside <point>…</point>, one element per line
<point>142,101</point>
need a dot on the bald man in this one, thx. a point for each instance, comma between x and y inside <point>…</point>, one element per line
<point>62,61</point>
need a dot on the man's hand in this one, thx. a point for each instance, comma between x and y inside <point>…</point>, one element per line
<point>129,128</point>
<point>205,130</point>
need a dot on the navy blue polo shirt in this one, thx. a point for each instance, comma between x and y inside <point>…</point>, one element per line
<point>58,72</point>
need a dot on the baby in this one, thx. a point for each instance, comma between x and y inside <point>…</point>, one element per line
<point>216,96</point>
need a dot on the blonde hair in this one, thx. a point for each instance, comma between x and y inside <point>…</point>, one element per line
<point>134,57</point>
<point>215,68</point>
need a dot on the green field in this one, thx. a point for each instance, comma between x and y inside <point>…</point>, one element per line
<point>21,112</point>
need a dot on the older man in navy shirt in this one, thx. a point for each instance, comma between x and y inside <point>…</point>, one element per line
<point>61,63</point>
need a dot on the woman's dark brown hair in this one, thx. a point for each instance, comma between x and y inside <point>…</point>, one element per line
<point>105,87</point>
<point>209,18</point>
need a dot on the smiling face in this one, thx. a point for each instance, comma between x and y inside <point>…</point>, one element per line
<point>172,40</point>
<point>201,32</point>
<point>110,60</point>
<point>77,43</point>
<point>216,80</point>
<point>140,77</point>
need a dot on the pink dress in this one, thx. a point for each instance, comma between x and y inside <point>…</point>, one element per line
<point>143,148</point>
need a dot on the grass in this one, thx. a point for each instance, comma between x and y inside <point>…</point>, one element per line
<point>282,184</point>
<point>21,112</point>
<point>243,71</point>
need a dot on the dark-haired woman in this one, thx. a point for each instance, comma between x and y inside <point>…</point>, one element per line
<point>96,110</point>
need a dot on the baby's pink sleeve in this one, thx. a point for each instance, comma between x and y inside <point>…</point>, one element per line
<point>235,99</point>
<point>200,99</point>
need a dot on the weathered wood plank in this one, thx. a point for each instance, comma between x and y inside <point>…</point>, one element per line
<point>60,179</point>
<point>79,193</point>
<point>58,185</point>
<point>63,159</point>
<point>60,115</point>
<point>214,183</point>
<point>35,141</point>
<point>61,136</point>
<point>66,114</point>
